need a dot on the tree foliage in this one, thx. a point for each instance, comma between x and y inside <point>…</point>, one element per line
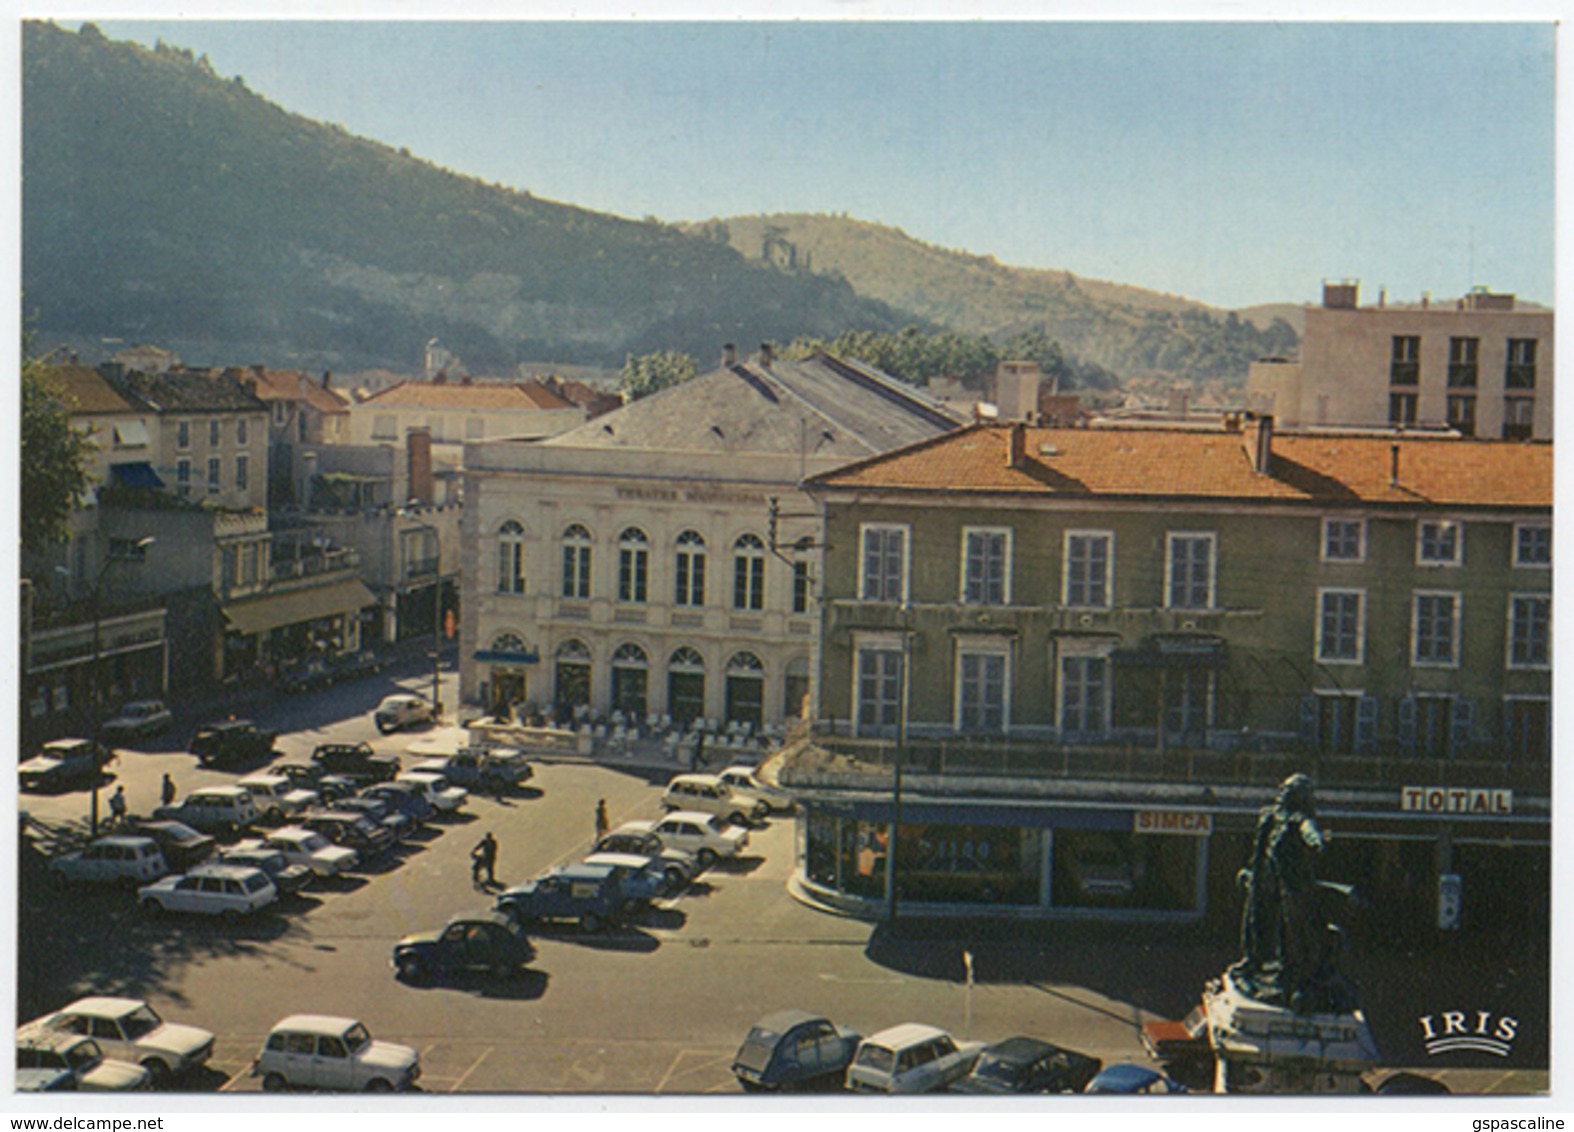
<point>54,461</point>
<point>651,373</point>
<point>920,357</point>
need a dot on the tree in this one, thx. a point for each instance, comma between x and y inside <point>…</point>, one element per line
<point>651,373</point>
<point>54,461</point>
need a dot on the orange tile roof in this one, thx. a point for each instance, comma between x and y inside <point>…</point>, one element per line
<point>1213,464</point>
<point>84,390</point>
<point>292,385</point>
<point>487,395</point>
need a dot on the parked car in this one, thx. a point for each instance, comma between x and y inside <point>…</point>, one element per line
<point>1027,1065</point>
<point>586,893</point>
<point>232,741</point>
<point>706,793</point>
<point>910,1058</point>
<point>355,760</point>
<point>140,720</point>
<point>303,776</point>
<point>219,810</point>
<point>355,665</point>
<point>1178,1043</point>
<point>405,797</point>
<point>307,847</point>
<point>82,1058</point>
<point>640,880</point>
<point>334,788</point>
<point>704,835</point>
<point>1101,870</point>
<point>794,1050</point>
<point>128,1029</point>
<point>742,780</point>
<point>121,859</point>
<point>403,710</point>
<point>44,1080</point>
<point>485,770</point>
<point>182,846</point>
<point>488,942</point>
<point>351,830</point>
<point>445,798</point>
<point>1128,1079</point>
<point>63,763</point>
<point>227,891</point>
<point>680,865</point>
<point>1412,1085</point>
<point>277,797</point>
<point>317,1051</point>
<point>288,879</point>
<point>311,676</point>
<point>379,810</point>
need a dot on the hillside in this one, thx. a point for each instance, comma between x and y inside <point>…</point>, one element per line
<point>1131,331</point>
<point>163,203</point>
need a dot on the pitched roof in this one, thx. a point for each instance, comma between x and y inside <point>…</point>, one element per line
<point>491,396</point>
<point>186,391</point>
<point>293,385</point>
<point>1135,463</point>
<point>84,392</point>
<point>821,406</point>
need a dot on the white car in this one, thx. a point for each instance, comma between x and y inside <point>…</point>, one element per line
<point>81,1057</point>
<point>704,835</point>
<point>403,710</point>
<point>112,860</point>
<point>709,794</point>
<point>679,865</point>
<point>910,1058</point>
<point>228,891</point>
<point>310,848</point>
<point>276,796</point>
<point>213,809</point>
<point>445,798</point>
<point>317,1051</point>
<point>742,780</point>
<point>128,1029</point>
<point>140,720</point>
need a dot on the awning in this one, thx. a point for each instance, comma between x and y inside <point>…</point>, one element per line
<point>262,614</point>
<point>505,656</point>
<point>135,475</point>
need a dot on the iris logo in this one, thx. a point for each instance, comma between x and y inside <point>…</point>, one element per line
<point>1457,1029</point>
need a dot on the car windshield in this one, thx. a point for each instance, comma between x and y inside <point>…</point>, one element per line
<point>84,1055</point>
<point>357,1038</point>
<point>877,1058</point>
<point>313,842</point>
<point>140,1021</point>
<point>992,1067</point>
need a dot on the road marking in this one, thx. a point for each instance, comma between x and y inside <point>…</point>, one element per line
<point>708,1063</point>
<point>474,1065</point>
<point>830,978</point>
<point>235,1080</point>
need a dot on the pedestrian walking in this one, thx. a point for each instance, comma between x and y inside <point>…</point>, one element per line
<point>167,791</point>
<point>117,805</point>
<point>484,859</point>
<point>698,762</point>
<point>602,825</point>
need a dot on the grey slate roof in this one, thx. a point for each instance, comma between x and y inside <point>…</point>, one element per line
<point>186,391</point>
<point>822,406</point>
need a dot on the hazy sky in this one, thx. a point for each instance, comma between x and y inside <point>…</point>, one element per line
<point>1232,163</point>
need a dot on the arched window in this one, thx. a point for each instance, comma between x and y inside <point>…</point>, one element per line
<point>686,685</point>
<point>633,566</point>
<point>511,558</point>
<point>508,642</point>
<point>630,676</point>
<point>576,562</point>
<point>690,569</point>
<point>745,689</point>
<point>745,662</point>
<point>748,573</point>
<point>572,688</point>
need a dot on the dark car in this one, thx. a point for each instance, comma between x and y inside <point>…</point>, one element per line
<point>405,798</point>
<point>794,1050</point>
<point>352,830</point>
<point>1027,1065</point>
<point>312,676</point>
<point>136,721</point>
<point>233,741</point>
<point>679,865</point>
<point>287,878</point>
<point>1412,1085</point>
<point>355,665</point>
<point>64,763</point>
<point>487,942</point>
<point>589,894</point>
<point>181,845</point>
<point>302,776</point>
<point>380,811</point>
<point>1130,1080</point>
<point>355,760</point>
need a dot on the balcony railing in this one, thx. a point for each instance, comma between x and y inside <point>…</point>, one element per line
<point>310,566</point>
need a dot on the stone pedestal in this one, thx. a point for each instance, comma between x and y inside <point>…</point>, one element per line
<point>1261,1048</point>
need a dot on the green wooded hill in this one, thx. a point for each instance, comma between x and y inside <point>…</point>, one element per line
<point>163,203</point>
<point>1128,330</point>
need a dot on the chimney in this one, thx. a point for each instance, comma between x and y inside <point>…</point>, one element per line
<point>327,379</point>
<point>1393,465</point>
<point>767,355</point>
<point>1341,294</point>
<point>1257,440</point>
<point>418,464</point>
<point>729,355</point>
<point>1016,445</point>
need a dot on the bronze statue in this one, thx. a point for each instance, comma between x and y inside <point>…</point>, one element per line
<point>1288,948</point>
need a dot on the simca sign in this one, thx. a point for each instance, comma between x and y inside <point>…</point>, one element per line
<point>1184,822</point>
<point>1455,800</point>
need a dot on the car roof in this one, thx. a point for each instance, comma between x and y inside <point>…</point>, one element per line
<point>64,744</point>
<point>642,827</point>
<point>315,1023</point>
<point>266,776</point>
<point>1019,1050</point>
<point>627,860</point>
<point>231,872</point>
<point>103,1006</point>
<point>42,1037</point>
<point>176,829</point>
<point>489,916</point>
<point>1126,1076</point>
<point>582,870</point>
<point>702,779</point>
<point>219,792</point>
<point>784,1020</point>
<point>698,816</point>
<point>906,1034</point>
<point>125,840</point>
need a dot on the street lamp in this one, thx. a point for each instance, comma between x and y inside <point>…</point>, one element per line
<point>98,658</point>
<point>437,602</point>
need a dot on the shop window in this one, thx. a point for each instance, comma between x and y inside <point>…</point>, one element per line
<point>630,678</point>
<point>745,689</point>
<point>571,689</point>
<point>686,686</point>
<point>968,864</point>
<point>1117,869</point>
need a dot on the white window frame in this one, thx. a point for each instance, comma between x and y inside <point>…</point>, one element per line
<point>1005,565</point>
<point>1323,592</point>
<point>686,594</point>
<point>864,529</point>
<point>633,567</point>
<point>574,561</point>
<point>876,642</point>
<point>215,475</point>
<point>1520,563</point>
<point>512,576</point>
<point>183,436</point>
<point>1459,543</point>
<point>1360,540</point>
<point>183,477</point>
<point>981,646</point>
<point>1109,568</point>
<point>748,574</point>
<point>1415,628</point>
<point>1508,634</point>
<point>1212,538</point>
<point>1095,650</point>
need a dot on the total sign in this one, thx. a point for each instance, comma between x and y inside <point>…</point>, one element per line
<point>1185,822</point>
<point>1455,800</point>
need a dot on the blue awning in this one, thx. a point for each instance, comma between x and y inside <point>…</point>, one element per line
<point>135,475</point>
<point>503,656</point>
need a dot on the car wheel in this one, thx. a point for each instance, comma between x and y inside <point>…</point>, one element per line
<point>378,1085</point>
<point>157,1071</point>
<point>410,969</point>
<point>590,922</point>
<point>750,1086</point>
<point>737,819</point>
<point>674,879</point>
<point>274,1083</point>
<point>707,858</point>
